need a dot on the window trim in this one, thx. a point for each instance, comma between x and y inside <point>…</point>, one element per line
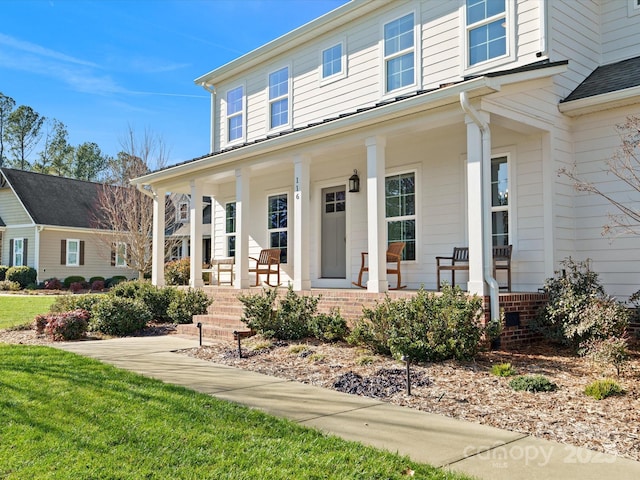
<point>286,229</point>
<point>401,170</point>
<point>15,252</point>
<point>179,212</point>
<point>121,261</point>
<point>509,56</point>
<point>633,8</point>
<point>288,96</point>
<point>509,206</point>
<point>343,63</point>
<point>241,113</point>
<point>417,56</point>
<point>229,234</point>
<point>77,252</point>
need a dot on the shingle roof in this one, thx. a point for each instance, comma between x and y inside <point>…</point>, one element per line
<point>2,223</point>
<point>608,78</point>
<point>52,200</point>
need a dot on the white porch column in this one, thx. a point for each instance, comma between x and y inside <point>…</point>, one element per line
<point>301,219</point>
<point>243,217</point>
<point>474,208</point>
<point>184,248</point>
<point>376,225</point>
<point>195,223</point>
<point>157,253</point>
<point>213,193</point>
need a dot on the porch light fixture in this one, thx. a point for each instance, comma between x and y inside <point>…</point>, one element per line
<point>354,182</point>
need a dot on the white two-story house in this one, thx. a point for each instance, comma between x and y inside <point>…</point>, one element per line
<point>455,115</point>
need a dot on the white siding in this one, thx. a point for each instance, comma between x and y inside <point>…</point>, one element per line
<point>620,31</point>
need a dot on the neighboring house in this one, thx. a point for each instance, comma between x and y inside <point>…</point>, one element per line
<point>178,233</point>
<point>457,116</point>
<point>47,223</point>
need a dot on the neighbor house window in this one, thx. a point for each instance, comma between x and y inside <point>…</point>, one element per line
<point>399,53</point>
<point>183,211</point>
<point>73,253</point>
<point>279,98</point>
<point>230,228</point>
<point>121,254</point>
<point>400,211</point>
<point>500,200</point>
<point>235,114</point>
<point>486,30</point>
<point>332,61</point>
<point>18,255</point>
<point>277,224</point>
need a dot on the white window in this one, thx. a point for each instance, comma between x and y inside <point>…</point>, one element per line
<point>486,30</point>
<point>235,114</point>
<point>183,211</point>
<point>230,228</point>
<point>277,221</point>
<point>73,253</point>
<point>333,62</point>
<point>279,98</point>
<point>121,255</point>
<point>500,200</point>
<point>399,53</point>
<point>18,251</point>
<point>400,211</point>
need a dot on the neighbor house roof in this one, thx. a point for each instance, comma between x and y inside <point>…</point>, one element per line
<point>2,223</point>
<point>53,200</point>
<point>608,78</point>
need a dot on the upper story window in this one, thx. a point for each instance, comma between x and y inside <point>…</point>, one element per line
<point>279,98</point>
<point>500,200</point>
<point>235,114</point>
<point>277,221</point>
<point>230,228</point>
<point>183,212</point>
<point>399,53</point>
<point>486,30</point>
<point>332,61</point>
<point>400,211</point>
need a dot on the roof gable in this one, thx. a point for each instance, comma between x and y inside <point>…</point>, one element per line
<point>608,78</point>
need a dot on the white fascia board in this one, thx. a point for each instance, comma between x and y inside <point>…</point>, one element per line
<point>597,103</point>
<point>60,228</point>
<point>309,31</point>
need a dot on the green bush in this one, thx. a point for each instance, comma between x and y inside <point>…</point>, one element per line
<point>115,280</point>
<point>503,370</point>
<point>96,278</point>
<point>63,326</point>
<point>259,311</point>
<point>608,352</point>
<point>119,316</point>
<point>177,272</point>
<point>426,327</point>
<point>23,275</point>
<point>578,309</point>
<point>532,383</point>
<point>187,303</point>
<point>3,272</point>
<point>329,327</point>
<point>66,303</point>
<point>9,286</point>
<point>156,299</point>
<point>73,279</point>
<point>604,388</point>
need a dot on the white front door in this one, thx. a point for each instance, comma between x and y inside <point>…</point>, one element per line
<point>333,250</point>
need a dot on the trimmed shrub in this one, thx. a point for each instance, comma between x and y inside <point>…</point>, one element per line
<point>23,275</point>
<point>608,352</point>
<point>9,286</point>
<point>259,310</point>
<point>66,303</point>
<point>329,327</point>
<point>156,299</point>
<point>426,327</point>
<point>187,303</point>
<point>52,284</point>
<point>578,309</point>
<point>177,272</point>
<point>532,383</point>
<point>95,279</point>
<point>73,279</point>
<point>75,287</point>
<point>115,280</point>
<point>604,388</point>
<point>40,321</point>
<point>97,285</point>
<point>3,272</point>
<point>503,370</point>
<point>119,316</point>
<point>67,325</point>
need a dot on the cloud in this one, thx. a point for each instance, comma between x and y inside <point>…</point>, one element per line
<point>41,51</point>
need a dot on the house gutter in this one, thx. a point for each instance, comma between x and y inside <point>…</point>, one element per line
<point>487,252</point>
<point>212,90</point>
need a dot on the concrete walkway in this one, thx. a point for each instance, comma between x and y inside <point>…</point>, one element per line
<point>482,451</point>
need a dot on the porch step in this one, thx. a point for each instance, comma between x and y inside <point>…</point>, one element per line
<point>212,332</point>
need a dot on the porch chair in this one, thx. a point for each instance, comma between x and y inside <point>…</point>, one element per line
<point>268,262</point>
<point>459,260</point>
<point>394,256</point>
<point>502,261</point>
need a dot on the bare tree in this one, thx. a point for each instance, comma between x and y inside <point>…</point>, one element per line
<point>126,212</point>
<point>624,165</point>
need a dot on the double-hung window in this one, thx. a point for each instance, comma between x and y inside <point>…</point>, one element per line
<point>332,61</point>
<point>121,254</point>
<point>73,253</point>
<point>486,30</point>
<point>183,212</point>
<point>500,200</point>
<point>18,251</point>
<point>279,98</point>
<point>277,221</point>
<point>230,228</point>
<point>400,211</point>
<point>235,114</point>
<point>399,53</point>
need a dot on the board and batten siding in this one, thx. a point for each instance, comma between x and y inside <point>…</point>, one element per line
<point>97,257</point>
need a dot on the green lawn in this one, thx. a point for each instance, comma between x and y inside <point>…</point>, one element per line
<point>20,309</point>
<point>66,416</point>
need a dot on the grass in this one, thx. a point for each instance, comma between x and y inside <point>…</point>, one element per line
<point>20,309</point>
<point>66,416</point>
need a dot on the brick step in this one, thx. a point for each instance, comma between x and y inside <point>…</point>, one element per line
<point>225,310</point>
<point>211,332</point>
<point>219,322</point>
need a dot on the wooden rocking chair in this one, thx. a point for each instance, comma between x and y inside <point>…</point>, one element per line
<point>268,262</point>
<point>394,255</point>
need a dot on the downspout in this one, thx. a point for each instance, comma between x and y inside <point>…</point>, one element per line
<point>487,249</point>
<point>212,90</point>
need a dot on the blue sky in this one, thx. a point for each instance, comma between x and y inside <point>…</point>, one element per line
<point>102,66</point>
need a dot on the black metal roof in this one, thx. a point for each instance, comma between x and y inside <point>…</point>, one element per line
<point>608,78</point>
